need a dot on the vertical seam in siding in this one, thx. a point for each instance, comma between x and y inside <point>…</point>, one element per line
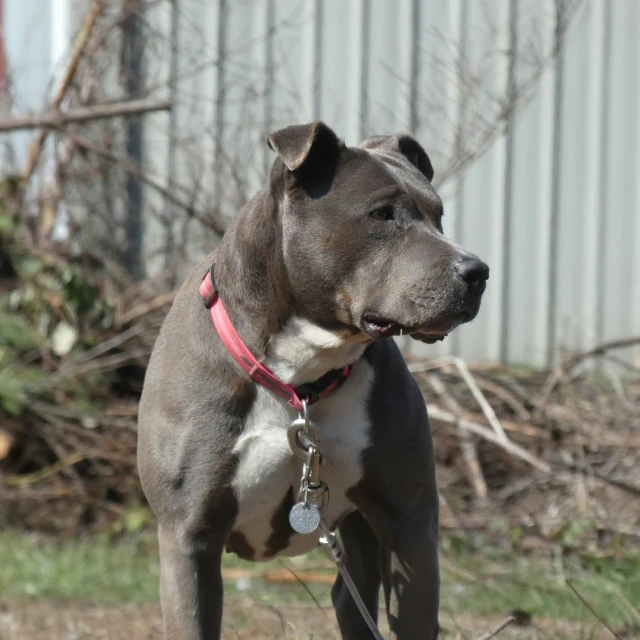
<point>555,196</point>
<point>169,208</point>
<point>463,19</point>
<point>3,60</point>
<point>364,69</point>
<point>268,82</point>
<point>602,200</point>
<point>220,97</point>
<point>415,66</point>
<point>508,189</point>
<point>317,60</point>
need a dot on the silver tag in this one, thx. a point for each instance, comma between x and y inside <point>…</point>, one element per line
<point>304,518</point>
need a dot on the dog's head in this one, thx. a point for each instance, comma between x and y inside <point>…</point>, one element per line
<point>362,236</point>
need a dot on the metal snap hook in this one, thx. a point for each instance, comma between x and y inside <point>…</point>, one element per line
<point>301,436</point>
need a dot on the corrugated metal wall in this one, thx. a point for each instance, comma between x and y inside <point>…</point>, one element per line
<point>553,204</point>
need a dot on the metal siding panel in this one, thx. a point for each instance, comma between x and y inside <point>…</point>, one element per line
<point>596,105</point>
<point>243,102</point>
<point>359,12</point>
<point>387,93</point>
<point>530,209</point>
<point>634,213</point>
<point>437,49</point>
<point>27,40</point>
<point>294,64</point>
<point>619,280</point>
<point>336,52</point>
<point>371,66</point>
<point>442,31</point>
<point>159,153</point>
<point>571,324</point>
<point>481,220</point>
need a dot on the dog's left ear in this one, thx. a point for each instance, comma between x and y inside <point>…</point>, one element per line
<point>303,145</point>
<point>407,146</point>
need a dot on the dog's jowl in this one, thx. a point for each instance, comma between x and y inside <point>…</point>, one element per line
<point>342,250</point>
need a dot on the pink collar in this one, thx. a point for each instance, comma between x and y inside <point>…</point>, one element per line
<point>295,396</point>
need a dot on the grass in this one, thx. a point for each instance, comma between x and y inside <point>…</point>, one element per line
<point>479,580</point>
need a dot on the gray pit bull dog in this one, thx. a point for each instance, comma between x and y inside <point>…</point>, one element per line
<point>341,251</point>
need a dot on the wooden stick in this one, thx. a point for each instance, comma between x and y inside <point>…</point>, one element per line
<point>95,10</point>
<point>467,444</point>
<point>503,625</point>
<point>487,409</point>
<point>6,442</point>
<point>437,413</point>
<point>57,119</point>
<point>465,374</point>
<point>593,611</point>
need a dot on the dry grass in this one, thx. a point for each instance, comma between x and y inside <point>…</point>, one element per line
<point>244,620</point>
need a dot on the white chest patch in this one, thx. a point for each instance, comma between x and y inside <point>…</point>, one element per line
<point>304,352</point>
<point>267,468</point>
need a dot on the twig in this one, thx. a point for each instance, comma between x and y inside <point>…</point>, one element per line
<point>620,484</point>
<point>439,414</point>
<point>503,625</point>
<point>465,374</point>
<point>632,609</point>
<point>107,363</point>
<point>57,119</point>
<point>105,346</point>
<point>593,611</point>
<point>80,43</point>
<point>487,409</point>
<point>429,365</point>
<point>601,349</point>
<point>467,445</point>
<point>158,302</point>
<point>506,396</point>
<point>32,478</point>
<point>559,371</point>
<point>135,170</point>
<point>305,587</point>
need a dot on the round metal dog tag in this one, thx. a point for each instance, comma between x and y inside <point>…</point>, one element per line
<point>304,518</point>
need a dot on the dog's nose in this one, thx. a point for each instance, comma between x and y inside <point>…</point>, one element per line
<point>474,272</point>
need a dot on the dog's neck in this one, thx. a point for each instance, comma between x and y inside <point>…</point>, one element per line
<point>250,276</point>
<point>254,288</point>
<point>303,352</point>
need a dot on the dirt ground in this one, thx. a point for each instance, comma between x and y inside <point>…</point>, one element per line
<point>243,620</point>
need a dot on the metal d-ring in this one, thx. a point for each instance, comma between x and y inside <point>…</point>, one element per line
<point>303,434</point>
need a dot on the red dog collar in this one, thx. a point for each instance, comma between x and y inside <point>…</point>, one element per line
<point>309,393</point>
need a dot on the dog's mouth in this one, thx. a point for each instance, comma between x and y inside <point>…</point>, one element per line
<point>378,327</point>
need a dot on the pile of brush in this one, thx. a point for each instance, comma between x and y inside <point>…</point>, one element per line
<point>549,455</point>
<point>535,452</point>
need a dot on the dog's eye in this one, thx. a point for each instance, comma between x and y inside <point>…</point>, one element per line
<point>383,213</point>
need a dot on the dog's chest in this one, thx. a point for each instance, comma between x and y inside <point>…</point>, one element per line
<point>268,475</point>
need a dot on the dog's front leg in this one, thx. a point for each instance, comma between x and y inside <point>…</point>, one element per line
<point>411,579</point>
<point>190,589</point>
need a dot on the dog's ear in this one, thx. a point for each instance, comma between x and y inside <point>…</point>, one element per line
<point>306,144</point>
<point>409,147</point>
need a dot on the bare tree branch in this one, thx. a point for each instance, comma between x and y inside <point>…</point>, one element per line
<point>57,119</point>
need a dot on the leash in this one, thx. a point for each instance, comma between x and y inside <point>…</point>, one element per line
<point>306,516</point>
